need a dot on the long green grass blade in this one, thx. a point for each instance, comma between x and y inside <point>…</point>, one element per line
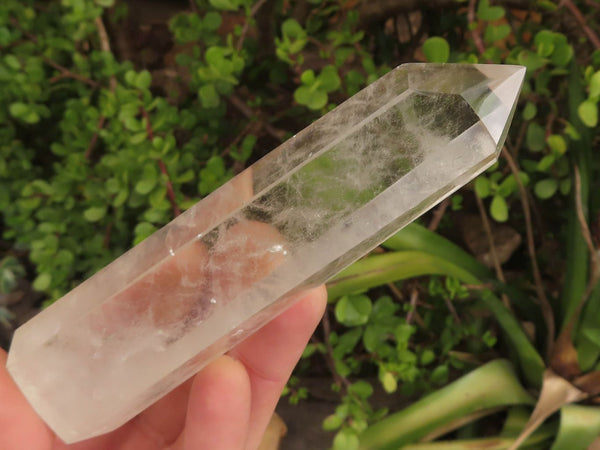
<point>417,237</point>
<point>577,257</point>
<point>588,334</point>
<point>579,426</point>
<point>490,386</point>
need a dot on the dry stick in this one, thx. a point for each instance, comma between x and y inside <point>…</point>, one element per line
<point>490,237</point>
<point>66,73</point>
<point>438,214</point>
<point>587,236</point>
<point>340,380</point>
<point>105,46</point>
<point>161,165</point>
<point>414,296</point>
<point>592,36</point>
<point>241,106</point>
<point>88,151</point>
<point>194,6</point>
<point>539,285</point>
<point>253,11</point>
<point>475,32</point>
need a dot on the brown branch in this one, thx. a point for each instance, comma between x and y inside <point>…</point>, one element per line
<point>592,36</point>
<point>162,166</point>
<point>66,73</point>
<point>414,296</point>
<point>438,215</point>
<point>471,16</point>
<point>253,11</point>
<point>194,6</point>
<point>539,285</point>
<point>241,106</point>
<point>587,236</point>
<point>494,254</point>
<point>105,46</point>
<point>340,380</point>
<point>585,229</point>
<point>94,140</point>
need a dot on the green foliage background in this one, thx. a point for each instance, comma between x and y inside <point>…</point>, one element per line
<point>103,142</point>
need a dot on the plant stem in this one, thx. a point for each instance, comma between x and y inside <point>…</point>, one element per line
<point>547,311</point>
<point>583,23</point>
<point>162,167</point>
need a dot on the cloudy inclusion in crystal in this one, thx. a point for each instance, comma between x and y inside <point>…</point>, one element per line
<point>155,316</point>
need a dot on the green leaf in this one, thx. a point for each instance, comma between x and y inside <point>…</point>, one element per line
<point>530,111</point>
<point>593,334</point>
<point>389,382</point>
<point>499,209</point>
<point>557,144</point>
<point>531,60</point>
<point>142,231</point>
<point>427,357</point>
<point>226,5</point>
<point>42,281</point>
<point>209,96</point>
<point>332,422</point>
<point>23,112</point>
<point>494,33</point>
<point>312,99</point>
<point>94,213</point>
<point>436,49</point>
<point>105,3</point>
<point>361,388</point>
<point>595,85</point>
<point>145,186</point>
<point>329,79</point>
<point>482,187</point>
<point>535,137</point>
<point>292,29</point>
<point>439,375</point>
<point>353,310</point>
<point>345,440</point>
<point>143,80</point>
<point>588,113</point>
<point>308,77</point>
<point>546,188</point>
<point>487,12</point>
<point>12,61</point>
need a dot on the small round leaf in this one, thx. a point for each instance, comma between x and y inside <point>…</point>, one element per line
<point>436,49</point>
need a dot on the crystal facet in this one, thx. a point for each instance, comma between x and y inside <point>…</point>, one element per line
<point>162,311</point>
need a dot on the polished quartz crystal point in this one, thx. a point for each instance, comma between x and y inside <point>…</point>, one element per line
<point>162,311</point>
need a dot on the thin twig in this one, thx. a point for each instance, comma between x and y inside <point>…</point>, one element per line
<point>587,236</point>
<point>94,140</point>
<point>241,106</point>
<point>340,380</point>
<point>66,73</point>
<point>438,215</point>
<point>253,11</point>
<point>414,296</point>
<point>539,285</point>
<point>474,27</point>
<point>194,6</point>
<point>585,229</point>
<point>494,254</point>
<point>592,36</point>
<point>162,166</point>
<point>105,46</point>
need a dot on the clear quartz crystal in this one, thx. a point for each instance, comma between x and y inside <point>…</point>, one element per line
<point>162,311</point>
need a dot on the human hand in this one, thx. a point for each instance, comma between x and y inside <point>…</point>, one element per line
<point>225,406</point>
